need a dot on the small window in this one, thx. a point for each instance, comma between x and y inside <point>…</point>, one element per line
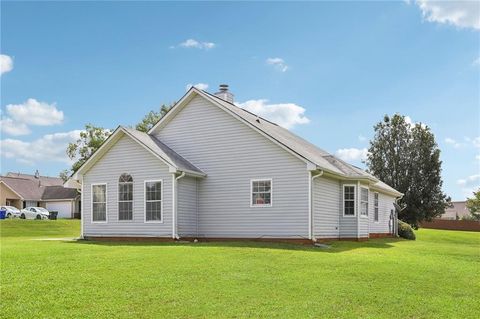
<point>349,200</point>
<point>125,197</point>
<point>364,201</point>
<point>153,201</point>
<point>99,203</point>
<point>261,192</point>
<point>375,207</point>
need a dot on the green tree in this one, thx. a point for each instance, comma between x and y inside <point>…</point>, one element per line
<point>473,205</point>
<point>152,118</point>
<point>64,175</point>
<point>90,140</point>
<point>407,158</point>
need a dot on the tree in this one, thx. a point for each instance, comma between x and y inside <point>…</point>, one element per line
<point>152,118</point>
<point>406,157</point>
<point>90,140</point>
<point>64,175</point>
<point>473,205</point>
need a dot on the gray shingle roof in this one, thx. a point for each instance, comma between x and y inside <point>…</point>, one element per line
<point>34,189</point>
<point>59,192</point>
<point>298,145</point>
<point>163,151</point>
<point>45,180</point>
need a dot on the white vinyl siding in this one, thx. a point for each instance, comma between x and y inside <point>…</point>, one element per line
<point>187,206</point>
<point>385,205</point>
<point>231,154</point>
<point>326,207</point>
<point>99,203</point>
<point>128,156</point>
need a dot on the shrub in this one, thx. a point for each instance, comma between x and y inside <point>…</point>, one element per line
<point>405,230</point>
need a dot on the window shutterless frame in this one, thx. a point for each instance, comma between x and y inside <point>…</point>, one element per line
<point>363,202</point>
<point>145,201</point>
<point>354,200</point>
<point>376,207</point>
<point>125,201</point>
<point>271,192</point>
<point>106,204</point>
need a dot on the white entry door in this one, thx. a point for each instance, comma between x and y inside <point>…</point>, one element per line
<point>64,209</point>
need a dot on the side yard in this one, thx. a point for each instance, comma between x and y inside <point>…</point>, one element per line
<point>434,277</point>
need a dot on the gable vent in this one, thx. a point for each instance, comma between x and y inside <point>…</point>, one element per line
<point>224,93</point>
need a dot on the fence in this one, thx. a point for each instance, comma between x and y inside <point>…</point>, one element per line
<point>469,225</point>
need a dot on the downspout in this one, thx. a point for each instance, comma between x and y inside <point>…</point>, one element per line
<point>358,208</point>
<point>174,204</point>
<point>82,208</point>
<point>310,206</point>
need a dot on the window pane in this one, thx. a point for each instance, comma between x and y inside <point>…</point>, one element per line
<point>153,190</point>
<point>153,211</point>
<point>376,214</point>
<point>364,194</point>
<point>99,193</point>
<point>99,211</point>
<point>261,192</point>
<point>125,210</point>
<point>349,207</point>
<point>125,191</point>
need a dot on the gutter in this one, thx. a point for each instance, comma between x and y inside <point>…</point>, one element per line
<point>310,206</point>
<point>174,204</point>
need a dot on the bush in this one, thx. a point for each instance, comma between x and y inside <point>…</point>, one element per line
<point>405,230</point>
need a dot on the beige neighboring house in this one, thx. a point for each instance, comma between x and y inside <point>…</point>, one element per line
<point>457,211</point>
<point>24,190</point>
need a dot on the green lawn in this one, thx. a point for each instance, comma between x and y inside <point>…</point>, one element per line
<point>436,276</point>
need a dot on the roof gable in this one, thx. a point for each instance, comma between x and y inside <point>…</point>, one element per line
<point>151,144</point>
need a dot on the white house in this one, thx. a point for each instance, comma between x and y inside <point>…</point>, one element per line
<point>209,169</point>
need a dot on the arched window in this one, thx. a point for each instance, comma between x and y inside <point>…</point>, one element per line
<point>125,197</point>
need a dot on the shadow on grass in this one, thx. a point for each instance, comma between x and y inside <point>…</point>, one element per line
<point>334,246</point>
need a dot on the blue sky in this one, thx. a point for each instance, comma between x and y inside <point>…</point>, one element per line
<point>329,71</point>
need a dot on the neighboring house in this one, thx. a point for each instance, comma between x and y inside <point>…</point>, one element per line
<point>23,190</point>
<point>209,169</point>
<point>457,211</point>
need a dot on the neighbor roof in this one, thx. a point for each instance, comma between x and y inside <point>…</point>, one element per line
<point>44,180</point>
<point>30,189</point>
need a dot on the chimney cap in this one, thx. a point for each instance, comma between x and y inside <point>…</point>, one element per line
<point>223,87</point>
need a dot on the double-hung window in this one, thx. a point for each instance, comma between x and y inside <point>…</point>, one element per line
<point>125,197</point>
<point>99,202</point>
<point>261,193</point>
<point>348,200</point>
<point>153,201</point>
<point>375,207</point>
<point>363,201</point>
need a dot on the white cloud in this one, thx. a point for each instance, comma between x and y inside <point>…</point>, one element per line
<point>50,147</point>
<point>33,112</point>
<point>462,14</point>
<point>453,142</point>
<point>10,127</point>
<point>476,142</point>
<point>285,114</point>
<point>278,63</point>
<point>476,62</point>
<point>192,43</point>
<point>469,184</point>
<point>200,86</point>
<point>352,154</point>
<point>477,157</point>
<point>6,63</point>
<point>409,120</point>
<point>362,138</point>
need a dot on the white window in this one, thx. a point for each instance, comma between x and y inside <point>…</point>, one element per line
<point>349,200</point>
<point>363,201</point>
<point>125,197</point>
<point>153,201</point>
<point>261,193</point>
<point>375,207</point>
<point>99,202</point>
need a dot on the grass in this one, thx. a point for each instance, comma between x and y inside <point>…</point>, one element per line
<point>436,276</point>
